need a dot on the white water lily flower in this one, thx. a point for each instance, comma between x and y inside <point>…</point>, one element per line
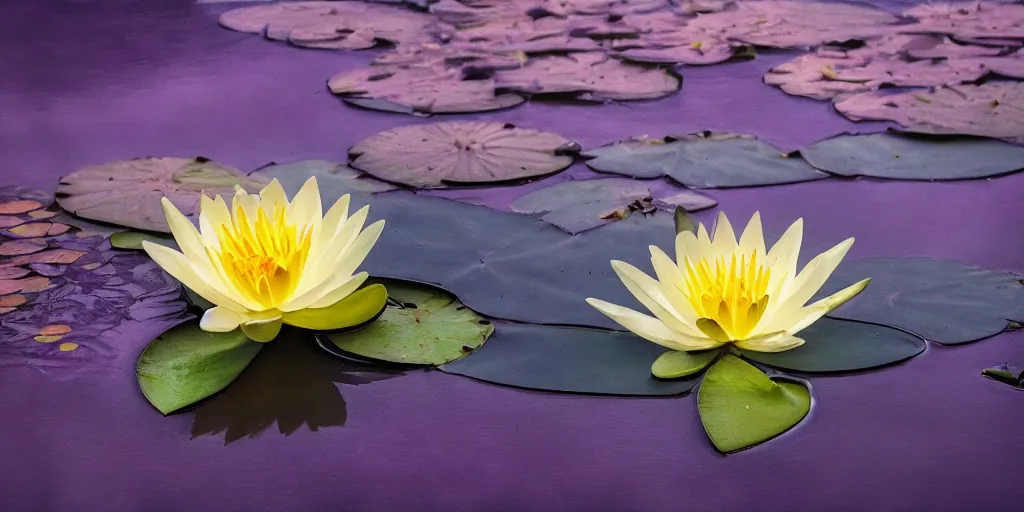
<point>721,291</point>
<point>267,261</point>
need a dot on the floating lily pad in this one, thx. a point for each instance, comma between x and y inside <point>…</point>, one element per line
<point>19,247</point>
<point>703,162</point>
<point>430,89</point>
<point>741,407</point>
<point>839,346</point>
<point>992,109</point>
<point>331,25</point>
<point>333,179</point>
<point>128,192</point>
<point>791,24</point>
<point>885,155</point>
<point>424,325</point>
<point>569,359</point>
<point>53,256</point>
<point>186,364</point>
<point>931,47</point>
<point>132,240</point>
<point>944,301</point>
<point>576,206</point>
<point>473,12</point>
<point>19,206</point>
<point>697,53</point>
<point>430,155</point>
<point>829,74</point>
<point>591,76</point>
<point>675,364</point>
<point>981,19</point>
<point>1007,374</point>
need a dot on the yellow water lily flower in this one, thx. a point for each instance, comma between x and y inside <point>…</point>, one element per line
<point>267,261</point>
<point>721,291</point>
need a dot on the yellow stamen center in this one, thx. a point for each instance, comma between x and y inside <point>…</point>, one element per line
<point>263,258</point>
<point>729,295</point>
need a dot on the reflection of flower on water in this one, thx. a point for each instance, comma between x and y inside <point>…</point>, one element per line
<point>293,382</point>
<point>84,290</point>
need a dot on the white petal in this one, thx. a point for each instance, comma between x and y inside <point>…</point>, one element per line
<point>273,196</point>
<point>335,219</point>
<point>305,208</point>
<point>724,242</point>
<point>752,239</point>
<point>806,284</point>
<point>651,329</point>
<point>307,299</point>
<point>775,342</point>
<point>783,256</point>
<point>263,331</point>
<point>703,242</point>
<point>360,249</point>
<point>342,291</point>
<point>672,283</point>
<point>687,246</point>
<point>807,315</point>
<point>184,232</point>
<point>650,293</point>
<point>221,319</point>
<point>213,213</point>
<point>175,264</point>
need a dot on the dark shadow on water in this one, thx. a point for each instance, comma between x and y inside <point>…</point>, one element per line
<point>293,382</point>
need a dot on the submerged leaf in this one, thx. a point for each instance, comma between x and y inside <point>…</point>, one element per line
<point>740,406</point>
<point>425,325</point>
<point>186,364</point>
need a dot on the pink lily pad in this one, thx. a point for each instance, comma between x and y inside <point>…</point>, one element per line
<point>8,221</point>
<point>791,24</point>
<point>569,7</point>
<point>331,25</point>
<point>12,301</point>
<point>11,272</point>
<point>542,35</point>
<point>930,47</point>
<point>27,285</point>
<point>979,19</point>
<point>473,12</point>
<point>426,89</point>
<point>591,76</point>
<point>431,155</point>
<point>19,206</point>
<point>57,256</point>
<point>128,192</point>
<point>992,109</point>
<point>19,247</point>
<point>36,229</point>
<point>829,74</point>
<point>696,53</point>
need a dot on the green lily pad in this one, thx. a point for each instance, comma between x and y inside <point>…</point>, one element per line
<point>128,192</point>
<point>740,406</point>
<point>704,160</point>
<point>839,346</point>
<point>132,240</point>
<point>422,325</point>
<point>569,360</point>
<point>907,157</point>
<point>576,206</point>
<point>944,301</point>
<point>1012,375</point>
<point>186,364</point>
<point>675,364</point>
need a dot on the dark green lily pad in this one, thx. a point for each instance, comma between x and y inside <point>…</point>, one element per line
<point>576,206</point>
<point>186,364</point>
<point>128,192</point>
<point>699,161</point>
<point>132,240</point>
<point>570,360</point>
<point>421,325</point>
<point>740,406</point>
<point>839,346</point>
<point>944,301</point>
<point>902,157</point>
<point>334,179</point>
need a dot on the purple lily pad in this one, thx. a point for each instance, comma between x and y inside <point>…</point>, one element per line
<point>449,56</point>
<point>604,7</point>
<point>1011,66</point>
<point>128,192</point>
<point>592,76</point>
<point>968,19</point>
<point>698,53</point>
<point>577,206</point>
<point>542,35</point>
<point>20,247</point>
<point>829,74</point>
<point>791,24</point>
<point>334,179</point>
<point>428,89</point>
<point>331,25</point>
<point>431,155</point>
<point>992,109</point>
<point>473,12</point>
<point>930,47</point>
